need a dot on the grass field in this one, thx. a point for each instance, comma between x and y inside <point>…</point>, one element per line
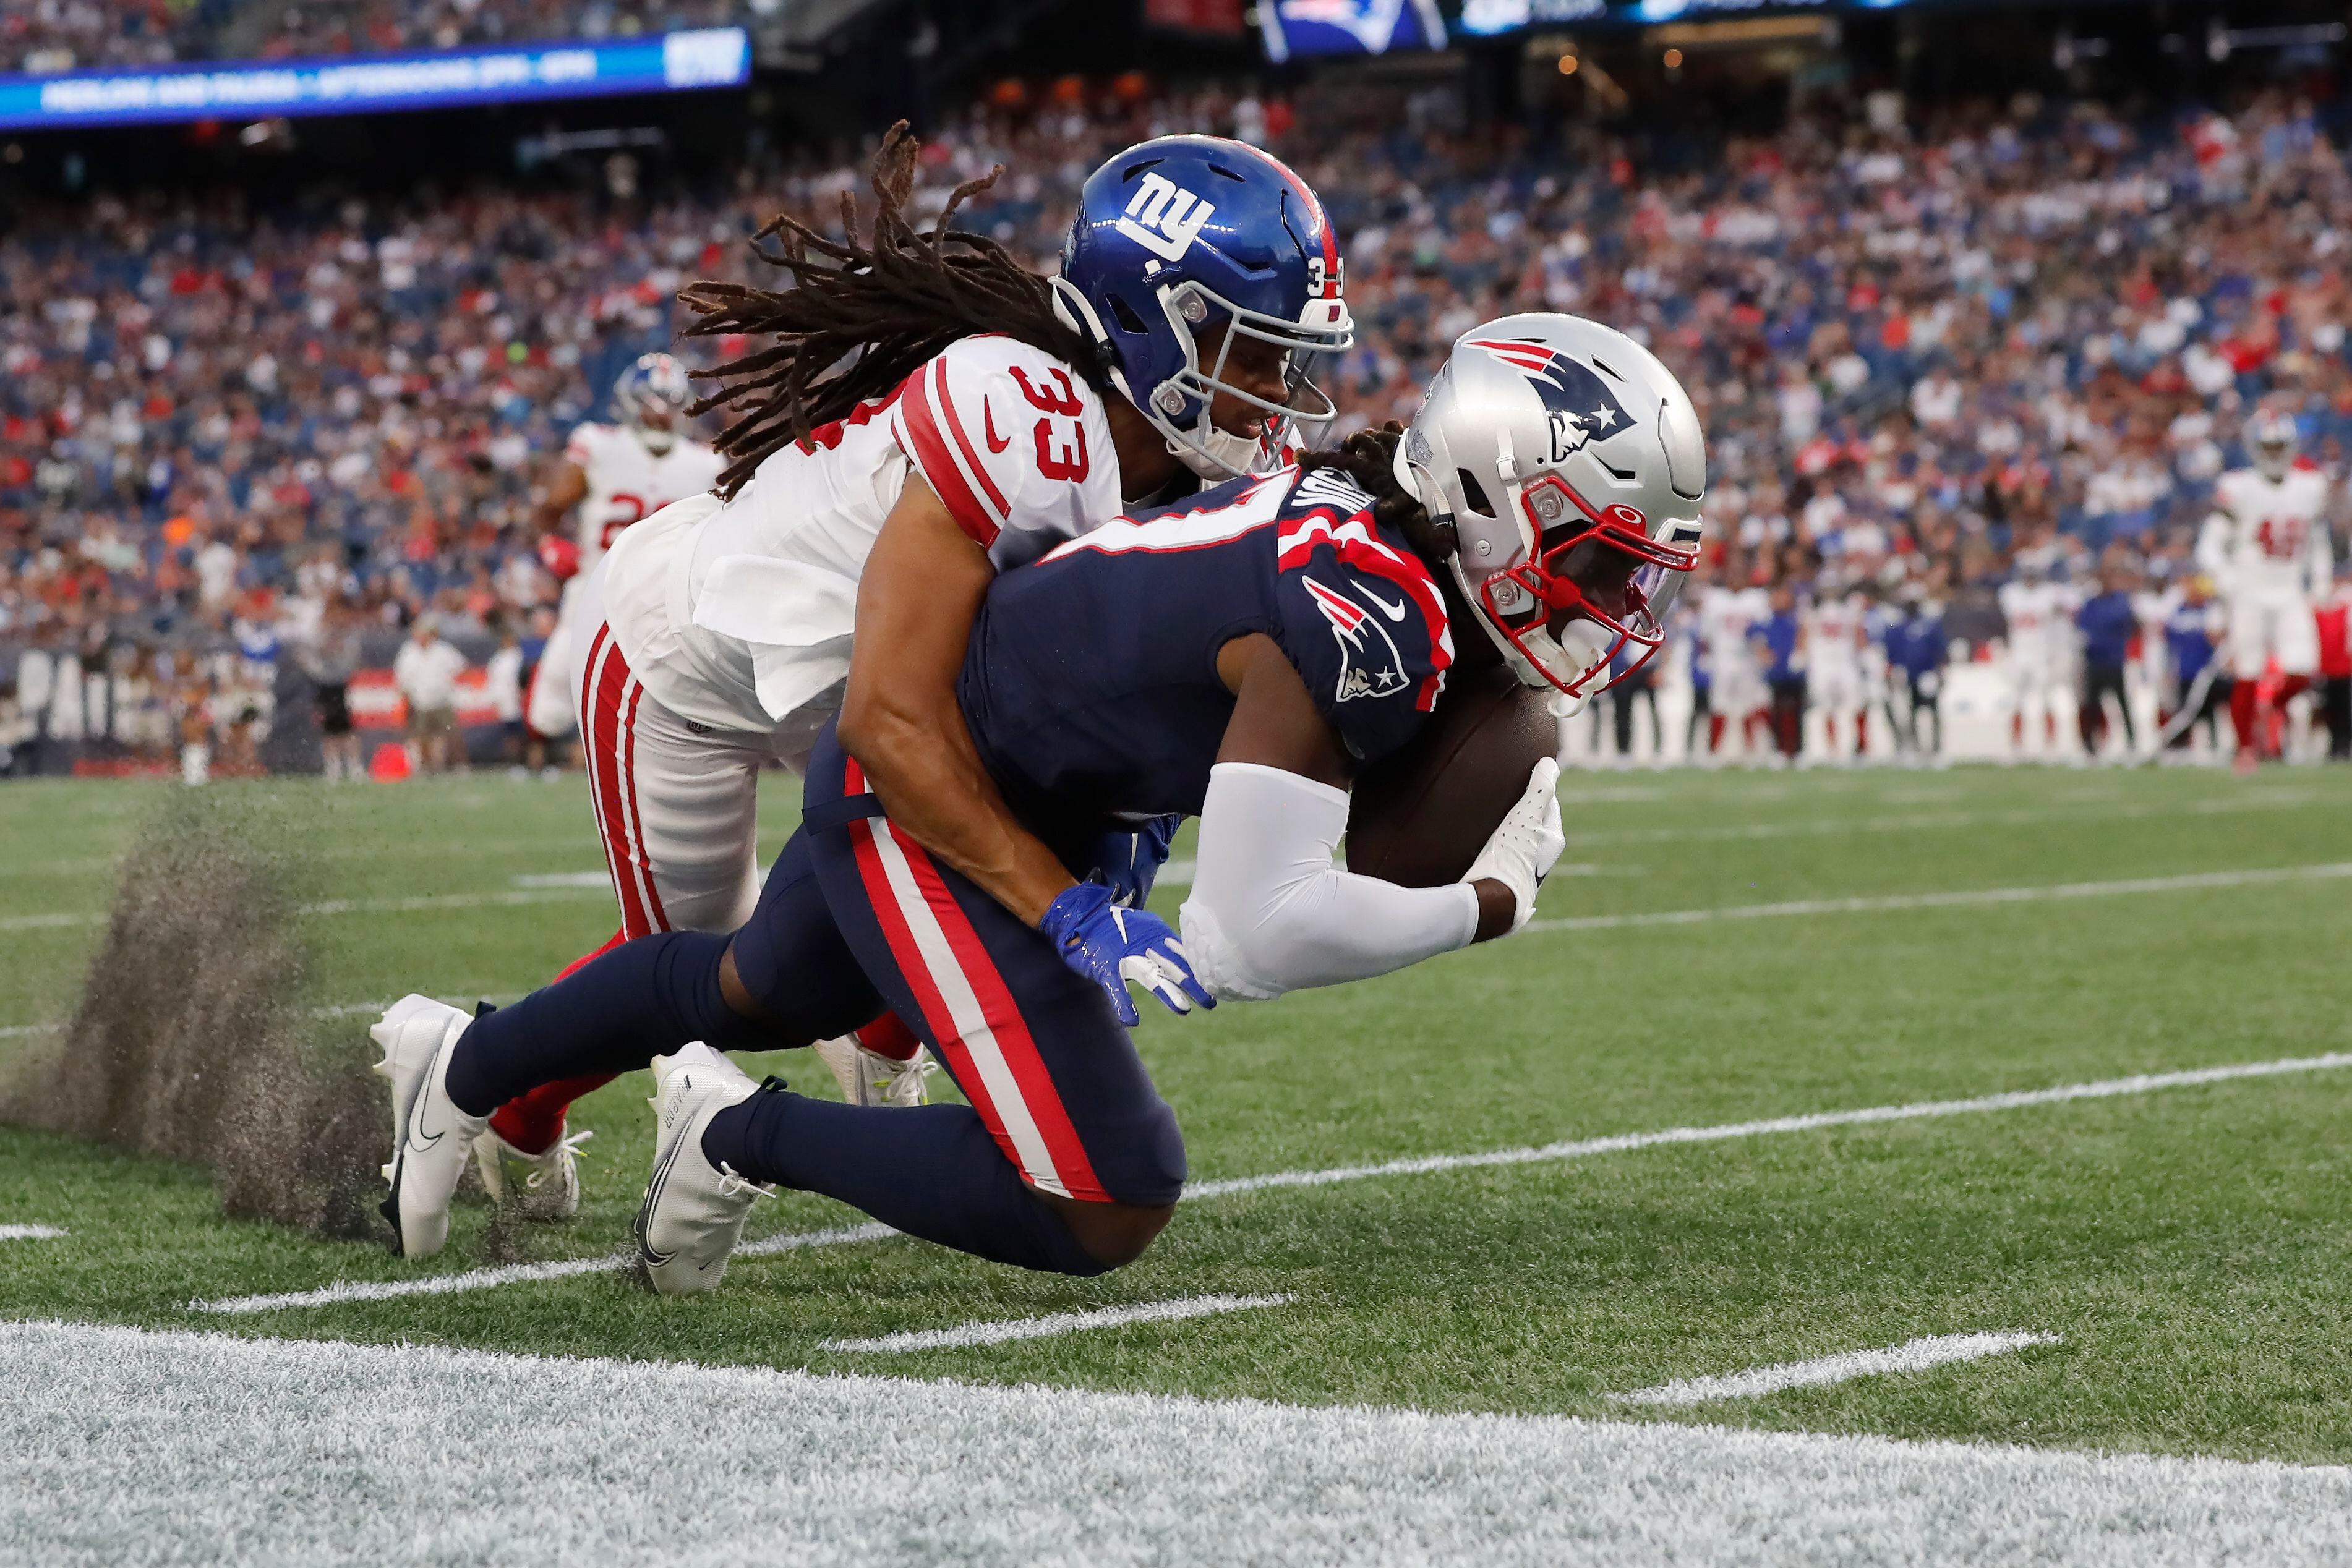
<point>1717,949</point>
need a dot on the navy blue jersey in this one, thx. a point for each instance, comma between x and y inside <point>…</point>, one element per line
<point>1916,645</point>
<point>1779,636</point>
<point>1091,687</point>
<point>2190,633</point>
<point>2109,621</point>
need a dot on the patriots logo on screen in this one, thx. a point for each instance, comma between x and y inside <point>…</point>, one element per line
<point>1581,406</point>
<point>1369,665</point>
<point>1163,217</point>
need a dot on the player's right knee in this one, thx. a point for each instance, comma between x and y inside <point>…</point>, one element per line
<point>1114,1234</point>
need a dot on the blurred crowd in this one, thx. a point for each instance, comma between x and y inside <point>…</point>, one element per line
<point>43,37</point>
<point>1922,345</point>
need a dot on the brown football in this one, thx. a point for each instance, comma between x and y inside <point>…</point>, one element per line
<point>1420,816</point>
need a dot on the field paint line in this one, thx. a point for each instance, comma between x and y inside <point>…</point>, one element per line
<point>31,1232</point>
<point>1913,1356</point>
<point>19,1031</point>
<point>1420,1165</point>
<point>1052,1323</point>
<point>327,1010</point>
<point>564,879</point>
<point>346,1291</point>
<point>1960,898</point>
<point>420,904</point>
<point>1919,1110</point>
<point>120,1445</point>
<point>1929,822</point>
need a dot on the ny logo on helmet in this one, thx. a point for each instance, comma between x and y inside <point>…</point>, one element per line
<point>1583,408</point>
<point>1163,217</point>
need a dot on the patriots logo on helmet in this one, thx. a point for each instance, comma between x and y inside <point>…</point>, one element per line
<point>1363,672</point>
<point>1583,408</point>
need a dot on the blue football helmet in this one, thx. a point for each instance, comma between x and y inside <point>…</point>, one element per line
<point>1179,237</point>
<point>650,399</point>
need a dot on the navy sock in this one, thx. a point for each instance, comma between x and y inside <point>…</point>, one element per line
<point>645,998</point>
<point>931,1171</point>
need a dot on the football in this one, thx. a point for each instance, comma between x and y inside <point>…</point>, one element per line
<point>1420,816</point>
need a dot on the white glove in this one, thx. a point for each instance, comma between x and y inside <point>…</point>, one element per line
<point>1527,844</point>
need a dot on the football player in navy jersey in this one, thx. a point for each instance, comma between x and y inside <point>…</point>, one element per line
<point>1239,656</point>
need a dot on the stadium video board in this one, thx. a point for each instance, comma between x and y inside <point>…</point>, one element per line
<point>1302,27</point>
<point>359,84</point>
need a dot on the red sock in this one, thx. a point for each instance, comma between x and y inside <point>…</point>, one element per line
<point>1862,732</point>
<point>886,1036</point>
<point>2017,728</point>
<point>2291,687</point>
<point>1829,732</point>
<point>2242,713</point>
<point>1715,731</point>
<point>532,1121</point>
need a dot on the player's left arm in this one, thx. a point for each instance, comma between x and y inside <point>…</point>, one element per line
<point>1270,909</point>
<point>916,600</point>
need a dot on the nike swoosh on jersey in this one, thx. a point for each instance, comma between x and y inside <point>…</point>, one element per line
<point>987,428</point>
<point>1394,611</point>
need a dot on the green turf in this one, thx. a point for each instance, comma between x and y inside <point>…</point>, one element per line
<point>2192,1247</point>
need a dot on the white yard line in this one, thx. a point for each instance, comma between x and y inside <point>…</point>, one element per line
<point>343,1291</point>
<point>1959,899</point>
<point>121,1446</point>
<point>31,1232</point>
<point>422,904</point>
<point>1420,1165</point>
<point>1915,1355</point>
<point>1052,1323</point>
<point>1927,821</point>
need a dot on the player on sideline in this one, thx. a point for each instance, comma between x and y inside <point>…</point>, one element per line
<point>611,477</point>
<point>2032,607</point>
<point>2265,545</point>
<point>919,413</point>
<point>1241,656</point>
<point>1835,637</point>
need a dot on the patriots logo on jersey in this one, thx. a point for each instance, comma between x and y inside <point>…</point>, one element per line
<point>1369,665</point>
<point>1583,408</point>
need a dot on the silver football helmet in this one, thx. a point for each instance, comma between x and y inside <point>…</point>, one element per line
<point>1571,465</point>
<point>2271,438</point>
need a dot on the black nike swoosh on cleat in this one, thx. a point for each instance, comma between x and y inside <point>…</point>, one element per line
<point>390,1207</point>
<point>659,1179</point>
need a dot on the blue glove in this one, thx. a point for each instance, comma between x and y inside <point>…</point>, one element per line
<point>1111,945</point>
<point>1128,864</point>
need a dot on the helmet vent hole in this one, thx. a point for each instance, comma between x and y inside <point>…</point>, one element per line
<point>1138,167</point>
<point>1474,493</point>
<point>1124,314</point>
<point>1603,368</point>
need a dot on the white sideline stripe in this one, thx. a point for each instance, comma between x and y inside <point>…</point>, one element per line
<point>343,1291</point>
<point>1924,1110</point>
<point>330,1010</point>
<point>1913,1355</point>
<point>1918,821</point>
<point>564,879</point>
<point>1961,898</point>
<point>1052,1323</point>
<point>422,904</point>
<point>31,1232</point>
<point>1424,1165</point>
<point>119,1445</point>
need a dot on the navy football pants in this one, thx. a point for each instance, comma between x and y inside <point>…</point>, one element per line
<point>856,917</point>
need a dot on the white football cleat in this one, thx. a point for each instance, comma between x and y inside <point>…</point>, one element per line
<point>694,1211</point>
<point>869,1078</point>
<point>545,1186</point>
<point>431,1138</point>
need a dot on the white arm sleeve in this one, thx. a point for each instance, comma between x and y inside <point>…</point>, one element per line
<point>1270,913</point>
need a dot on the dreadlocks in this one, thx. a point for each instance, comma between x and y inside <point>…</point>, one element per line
<point>1369,457</point>
<point>863,315</point>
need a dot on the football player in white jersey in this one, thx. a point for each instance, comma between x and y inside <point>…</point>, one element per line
<point>921,413</point>
<point>2265,545</point>
<point>1833,644</point>
<point>613,475</point>
<point>1736,691</point>
<point>2034,610</point>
